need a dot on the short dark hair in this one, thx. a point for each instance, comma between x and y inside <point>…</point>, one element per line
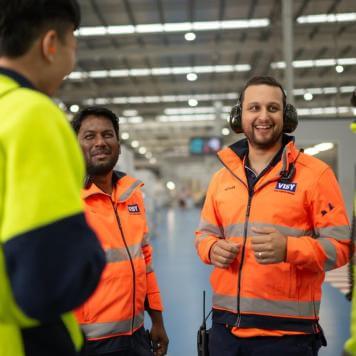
<point>96,111</point>
<point>263,80</point>
<point>23,21</point>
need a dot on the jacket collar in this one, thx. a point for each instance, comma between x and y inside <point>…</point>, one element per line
<point>233,156</point>
<point>17,77</point>
<point>124,187</point>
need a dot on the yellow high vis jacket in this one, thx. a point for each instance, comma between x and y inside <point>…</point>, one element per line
<point>280,298</point>
<point>350,345</point>
<point>128,282</point>
<point>50,261</point>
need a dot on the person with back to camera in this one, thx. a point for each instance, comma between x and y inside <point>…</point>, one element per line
<point>50,260</point>
<point>350,344</point>
<point>113,318</point>
<point>273,223</point>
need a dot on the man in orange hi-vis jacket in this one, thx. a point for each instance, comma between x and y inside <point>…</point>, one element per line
<point>273,222</point>
<point>112,318</point>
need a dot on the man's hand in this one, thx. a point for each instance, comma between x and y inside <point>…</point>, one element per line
<point>269,245</point>
<point>223,253</point>
<point>158,333</point>
<point>159,339</point>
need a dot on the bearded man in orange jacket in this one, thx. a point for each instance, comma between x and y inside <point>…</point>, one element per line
<point>112,318</point>
<point>273,223</point>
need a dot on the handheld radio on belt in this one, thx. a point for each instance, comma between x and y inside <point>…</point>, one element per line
<point>203,334</point>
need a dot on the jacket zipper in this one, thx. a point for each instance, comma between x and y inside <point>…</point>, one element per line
<point>238,320</point>
<point>132,266</point>
<point>247,215</point>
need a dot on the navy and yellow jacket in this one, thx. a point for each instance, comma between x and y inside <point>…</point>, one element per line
<point>50,261</point>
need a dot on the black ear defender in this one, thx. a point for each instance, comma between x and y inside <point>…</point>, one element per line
<point>290,118</point>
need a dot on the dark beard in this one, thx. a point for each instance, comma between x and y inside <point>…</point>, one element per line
<point>101,169</point>
<point>264,145</point>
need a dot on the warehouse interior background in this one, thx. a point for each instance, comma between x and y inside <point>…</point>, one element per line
<point>171,70</point>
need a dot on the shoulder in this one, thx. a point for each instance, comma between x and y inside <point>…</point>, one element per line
<point>311,165</point>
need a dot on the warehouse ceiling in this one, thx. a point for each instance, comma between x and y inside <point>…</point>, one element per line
<point>172,69</point>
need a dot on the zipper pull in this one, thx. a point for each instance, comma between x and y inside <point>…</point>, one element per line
<point>238,321</point>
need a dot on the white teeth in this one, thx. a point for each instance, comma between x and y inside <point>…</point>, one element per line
<point>263,126</point>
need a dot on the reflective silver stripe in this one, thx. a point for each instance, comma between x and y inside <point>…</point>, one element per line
<point>128,192</point>
<point>336,232</point>
<point>277,307</point>
<point>237,230</point>
<point>120,254</point>
<point>149,268</point>
<point>145,240</point>
<point>210,229</point>
<point>330,252</point>
<point>234,230</point>
<point>287,231</point>
<point>106,329</point>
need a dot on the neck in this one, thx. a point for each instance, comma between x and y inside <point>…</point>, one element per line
<point>104,182</point>
<point>31,69</point>
<point>259,158</point>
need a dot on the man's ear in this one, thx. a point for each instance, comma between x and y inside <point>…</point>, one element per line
<point>49,45</point>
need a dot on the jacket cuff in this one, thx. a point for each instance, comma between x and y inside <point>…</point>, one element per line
<point>204,248</point>
<point>154,301</point>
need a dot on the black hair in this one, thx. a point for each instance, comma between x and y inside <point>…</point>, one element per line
<point>353,99</point>
<point>23,21</point>
<point>95,111</point>
<point>260,80</point>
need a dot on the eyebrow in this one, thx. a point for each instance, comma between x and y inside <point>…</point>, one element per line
<point>269,103</point>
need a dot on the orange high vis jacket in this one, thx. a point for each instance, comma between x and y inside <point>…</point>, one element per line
<point>308,208</point>
<point>128,281</point>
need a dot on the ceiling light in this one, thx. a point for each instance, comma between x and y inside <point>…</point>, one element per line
<point>74,108</point>
<point>310,63</point>
<point>153,160</point>
<point>170,185</point>
<point>142,150</point>
<point>324,18</point>
<point>190,36</point>
<point>308,96</point>
<point>192,102</point>
<point>159,71</point>
<point>125,135</point>
<point>325,146</point>
<point>148,155</point>
<point>192,77</point>
<point>135,144</point>
<point>312,151</point>
<point>130,113</point>
<point>172,27</point>
<point>225,131</point>
<point>339,68</point>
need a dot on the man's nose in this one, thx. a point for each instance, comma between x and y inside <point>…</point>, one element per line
<point>264,114</point>
<point>99,141</point>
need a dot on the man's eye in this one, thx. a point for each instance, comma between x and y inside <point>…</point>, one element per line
<point>273,108</point>
<point>88,137</point>
<point>108,135</point>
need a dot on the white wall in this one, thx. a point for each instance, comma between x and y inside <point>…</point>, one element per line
<point>337,131</point>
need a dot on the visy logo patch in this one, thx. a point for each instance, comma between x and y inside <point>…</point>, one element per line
<point>133,208</point>
<point>286,187</point>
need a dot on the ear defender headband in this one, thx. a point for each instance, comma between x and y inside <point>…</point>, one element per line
<point>290,118</point>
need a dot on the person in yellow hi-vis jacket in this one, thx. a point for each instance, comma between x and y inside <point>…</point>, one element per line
<point>50,260</point>
<point>350,345</point>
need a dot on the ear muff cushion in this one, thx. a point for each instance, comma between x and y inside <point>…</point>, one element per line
<point>235,119</point>
<point>290,119</point>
